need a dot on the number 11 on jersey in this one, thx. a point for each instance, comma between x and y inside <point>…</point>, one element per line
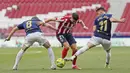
<point>103,25</point>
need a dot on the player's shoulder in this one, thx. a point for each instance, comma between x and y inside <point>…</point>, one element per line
<point>26,21</point>
<point>96,18</point>
<point>107,14</point>
<point>66,17</point>
<point>32,21</point>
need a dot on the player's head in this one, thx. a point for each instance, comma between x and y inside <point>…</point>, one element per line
<point>75,17</point>
<point>35,18</point>
<point>100,10</point>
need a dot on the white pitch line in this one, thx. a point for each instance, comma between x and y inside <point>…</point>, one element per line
<point>30,52</point>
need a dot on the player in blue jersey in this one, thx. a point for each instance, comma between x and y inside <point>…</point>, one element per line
<point>33,34</point>
<point>102,34</point>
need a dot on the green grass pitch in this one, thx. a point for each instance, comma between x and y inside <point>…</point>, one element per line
<point>36,60</point>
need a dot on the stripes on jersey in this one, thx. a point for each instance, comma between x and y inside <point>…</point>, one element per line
<point>65,26</point>
<point>71,26</point>
<point>61,27</point>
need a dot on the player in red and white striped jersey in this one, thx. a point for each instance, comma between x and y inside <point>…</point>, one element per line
<point>64,34</point>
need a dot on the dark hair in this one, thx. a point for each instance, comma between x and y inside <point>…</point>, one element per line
<point>75,16</point>
<point>35,18</point>
<point>101,8</point>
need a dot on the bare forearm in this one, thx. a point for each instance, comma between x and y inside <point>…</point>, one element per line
<point>12,32</point>
<point>48,20</point>
<point>82,23</point>
<point>94,28</point>
<point>51,27</point>
<point>117,20</point>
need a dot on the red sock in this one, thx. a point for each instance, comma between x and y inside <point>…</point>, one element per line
<point>64,52</point>
<point>74,61</point>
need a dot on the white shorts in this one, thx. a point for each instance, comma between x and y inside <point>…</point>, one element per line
<point>104,42</point>
<point>35,37</point>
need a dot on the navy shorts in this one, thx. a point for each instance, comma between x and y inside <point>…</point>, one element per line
<point>66,38</point>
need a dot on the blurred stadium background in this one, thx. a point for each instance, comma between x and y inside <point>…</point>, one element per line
<point>14,12</point>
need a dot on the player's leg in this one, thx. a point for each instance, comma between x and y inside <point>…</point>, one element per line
<point>107,47</point>
<point>51,55</point>
<point>92,43</point>
<point>85,48</point>
<point>65,49</point>
<point>64,43</point>
<point>108,56</point>
<point>73,46</point>
<point>42,41</point>
<point>74,50</point>
<point>19,55</point>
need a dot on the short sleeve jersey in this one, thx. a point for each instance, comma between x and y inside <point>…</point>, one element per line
<point>103,26</point>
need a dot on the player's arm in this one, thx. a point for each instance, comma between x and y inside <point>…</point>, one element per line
<point>11,33</point>
<point>53,19</point>
<point>122,20</point>
<point>44,23</point>
<point>82,23</point>
<point>94,28</point>
<point>48,20</point>
<point>50,26</point>
<point>41,23</point>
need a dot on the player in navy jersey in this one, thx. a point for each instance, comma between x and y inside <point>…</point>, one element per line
<point>33,34</point>
<point>64,34</point>
<point>102,34</point>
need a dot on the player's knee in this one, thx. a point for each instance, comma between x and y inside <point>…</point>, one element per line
<point>47,45</point>
<point>90,45</point>
<point>66,45</point>
<point>108,50</point>
<point>25,47</point>
<point>74,47</point>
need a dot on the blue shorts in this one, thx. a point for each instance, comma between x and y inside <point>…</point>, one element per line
<point>66,38</point>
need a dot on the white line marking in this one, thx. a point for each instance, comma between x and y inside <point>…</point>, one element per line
<point>29,52</point>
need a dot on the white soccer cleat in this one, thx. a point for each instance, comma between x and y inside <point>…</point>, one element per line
<point>53,67</point>
<point>14,68</point>
<point>107,65</point>
<point>70,59</point>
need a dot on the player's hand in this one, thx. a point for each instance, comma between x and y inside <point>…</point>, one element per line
<point>122,20</point>
<point>7,39</point>
<point>80,21</point>
<point>85,27</point>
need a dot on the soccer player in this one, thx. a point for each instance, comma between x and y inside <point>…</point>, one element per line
<point>64,34</point>
<point>33,34</point>
<point>102,34</point>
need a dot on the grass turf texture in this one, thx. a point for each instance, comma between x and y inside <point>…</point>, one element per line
<point>36,60</point>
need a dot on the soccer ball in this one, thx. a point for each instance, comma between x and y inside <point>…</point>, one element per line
<point>60,62</point>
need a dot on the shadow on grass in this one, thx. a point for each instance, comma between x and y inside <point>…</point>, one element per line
<point>35,69</point>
